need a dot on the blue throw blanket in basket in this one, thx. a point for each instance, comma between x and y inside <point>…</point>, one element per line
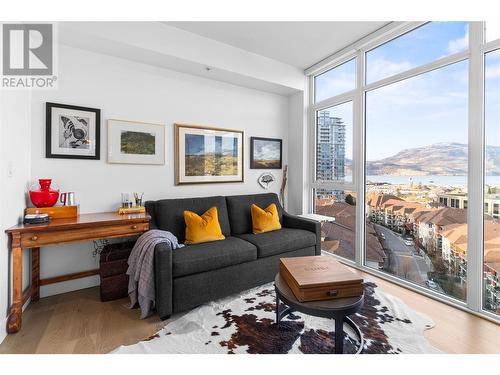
<point>141,283</point>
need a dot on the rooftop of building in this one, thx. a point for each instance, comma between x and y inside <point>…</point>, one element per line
<point>340,235</point>
<point>442,216</point>
<point>375,199</point>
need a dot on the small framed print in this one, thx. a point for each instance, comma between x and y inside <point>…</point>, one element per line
<point>132,142</point>
<point>72,132</point>
<point>208,155</point>
<point>265,153</point>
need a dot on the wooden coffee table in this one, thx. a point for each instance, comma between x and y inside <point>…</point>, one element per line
<point>337,309</point>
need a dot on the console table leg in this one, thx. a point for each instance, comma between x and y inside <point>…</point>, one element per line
<point>35,274</point>
<point>339,335</point>
<point>16,310</point>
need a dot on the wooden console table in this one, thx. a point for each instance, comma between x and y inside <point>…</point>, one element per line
<point>85,227</point>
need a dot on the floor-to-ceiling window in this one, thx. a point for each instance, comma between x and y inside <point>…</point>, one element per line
<point>416,157</point>
<point>411,95</point>
<point>333,195</point>
<point>491,255</point>
<point>416,177</point>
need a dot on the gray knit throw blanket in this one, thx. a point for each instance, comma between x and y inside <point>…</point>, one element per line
<point>141,282</point>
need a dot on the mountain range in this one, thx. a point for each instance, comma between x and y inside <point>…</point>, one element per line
<point>435,159</point>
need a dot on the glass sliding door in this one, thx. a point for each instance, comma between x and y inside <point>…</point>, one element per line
<point>491,255</point>
<point>416,177</point>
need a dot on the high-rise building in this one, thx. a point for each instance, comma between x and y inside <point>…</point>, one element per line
<point>330,152</point>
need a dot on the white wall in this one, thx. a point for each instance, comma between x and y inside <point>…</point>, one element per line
<point>15,141</point>
<point>298,184</point>
<point>132,91</point>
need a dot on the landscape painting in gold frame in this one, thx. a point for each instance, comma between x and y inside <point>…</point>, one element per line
<point>208,155</point>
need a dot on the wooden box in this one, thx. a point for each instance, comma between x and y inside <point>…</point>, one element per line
<point>113,265</point>
<point>315,278</point>
<point>56,212</point>
<point>114,287</point>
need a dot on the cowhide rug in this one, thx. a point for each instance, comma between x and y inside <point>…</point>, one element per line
<point>245,323</point>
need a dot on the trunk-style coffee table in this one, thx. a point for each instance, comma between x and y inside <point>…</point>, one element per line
<point>337,309</point>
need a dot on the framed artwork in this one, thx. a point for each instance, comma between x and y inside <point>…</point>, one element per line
<point>72,132</point>
<point>132,142</point>
<point>207,155</point>
<point>265,153</point>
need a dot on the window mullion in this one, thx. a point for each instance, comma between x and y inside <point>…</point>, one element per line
<point>490,46</point>
<point>475,167</point>
<point>445,61</point>
<point>335,100</point>
<point>359,159</point>
<point>311,116</point>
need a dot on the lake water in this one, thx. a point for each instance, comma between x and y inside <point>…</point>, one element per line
<point>431,179</point>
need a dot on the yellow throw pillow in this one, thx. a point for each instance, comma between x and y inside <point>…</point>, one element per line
<point>204,228</point>
<point>265,220</point>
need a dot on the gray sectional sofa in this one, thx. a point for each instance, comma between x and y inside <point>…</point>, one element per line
<point>195,274</point>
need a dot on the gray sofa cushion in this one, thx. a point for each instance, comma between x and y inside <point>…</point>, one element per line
<point>238,207</point>
<point>280,241</point>
<point>209,256</point>
<point>168,214</point>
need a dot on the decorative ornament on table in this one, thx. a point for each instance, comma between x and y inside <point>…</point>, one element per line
<point>138,198</point>
<point>266,180</point>
<point>44,194</point>
<point>67,198</point>
<point>132,205</point>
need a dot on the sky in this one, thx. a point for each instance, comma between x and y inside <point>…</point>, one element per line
<point>422,110</point>
<point>197,144</point>
<point>266,150</point>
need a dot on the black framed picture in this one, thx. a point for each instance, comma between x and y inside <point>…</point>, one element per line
<point>265,153</point>
<point>72,132</point>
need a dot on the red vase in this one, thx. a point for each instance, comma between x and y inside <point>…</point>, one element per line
<point>44,195</point>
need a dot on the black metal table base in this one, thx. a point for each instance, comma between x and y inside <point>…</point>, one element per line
<point>283,310</point>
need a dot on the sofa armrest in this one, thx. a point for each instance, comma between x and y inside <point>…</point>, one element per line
<point>297,222</point>
<point>163,280</point>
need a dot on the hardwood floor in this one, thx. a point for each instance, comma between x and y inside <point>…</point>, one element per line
<point>78,322</point>
<point>455,331</point>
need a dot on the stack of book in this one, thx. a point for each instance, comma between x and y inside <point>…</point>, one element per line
<point>132,210</point>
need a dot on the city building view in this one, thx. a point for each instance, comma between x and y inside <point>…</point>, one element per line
<point>416,226</point>
<point>330,152</point>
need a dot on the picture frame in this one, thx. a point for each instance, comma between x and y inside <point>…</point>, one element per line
<point>72,132</point>
<point>208,155</point>
<point>266,153</point>
<point>135,142</point>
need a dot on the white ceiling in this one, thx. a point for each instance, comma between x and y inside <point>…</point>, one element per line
<point>300,44</point>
